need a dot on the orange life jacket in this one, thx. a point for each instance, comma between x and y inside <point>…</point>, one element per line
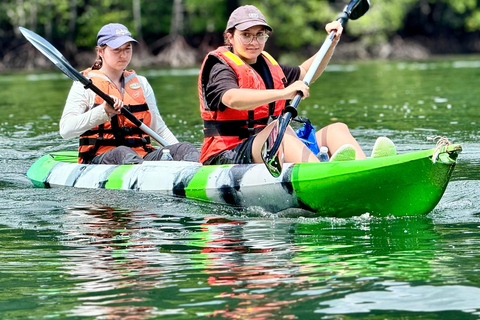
<point>119,131</point>
<point>224,130</point>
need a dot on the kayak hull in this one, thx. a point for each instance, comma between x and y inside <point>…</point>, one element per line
<point>402,185</point>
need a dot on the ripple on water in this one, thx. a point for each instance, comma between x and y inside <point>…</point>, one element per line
<point>460,203</point>
<point>404,297</point>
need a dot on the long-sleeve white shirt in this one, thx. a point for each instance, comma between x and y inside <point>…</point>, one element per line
<point>79,115</point>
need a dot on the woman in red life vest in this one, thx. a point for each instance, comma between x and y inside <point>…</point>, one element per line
<point>106,136</point>
<point>241,88</point>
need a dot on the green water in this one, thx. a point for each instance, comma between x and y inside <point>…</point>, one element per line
<point>103,254</point>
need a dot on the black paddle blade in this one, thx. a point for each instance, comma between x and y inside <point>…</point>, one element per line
<point>271,153</point>
<point>273,160</point>
<point>357,8</point>
<point>274,166</point>
<point>53,55</point>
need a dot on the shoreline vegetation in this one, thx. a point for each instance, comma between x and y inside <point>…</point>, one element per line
<point>179,33</point>
<point>179,54</point>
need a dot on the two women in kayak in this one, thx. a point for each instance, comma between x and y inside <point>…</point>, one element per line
<point>241,89</point>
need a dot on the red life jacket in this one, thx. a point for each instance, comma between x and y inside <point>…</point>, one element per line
<point>224,130</point>
<point>119,131</point>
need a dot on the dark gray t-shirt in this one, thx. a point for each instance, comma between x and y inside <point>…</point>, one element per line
<point>222,78</point>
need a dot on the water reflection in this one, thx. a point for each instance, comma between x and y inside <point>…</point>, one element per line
<point>376,248</point>
<point>124,263</point>
<point>406,298</point>
<point>107,259</point>
<point>119,255</point>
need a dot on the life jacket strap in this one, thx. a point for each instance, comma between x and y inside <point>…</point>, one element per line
<point>234,128</point>
<point>129,131</point>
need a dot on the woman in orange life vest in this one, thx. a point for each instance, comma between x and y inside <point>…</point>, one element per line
<point>106,136</point>
<point>233,108</point>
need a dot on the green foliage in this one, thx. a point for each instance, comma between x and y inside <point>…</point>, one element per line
<point>156,18</point>
<point>97,14</point>
<point>297,24</point>
<point>206,15</point>
<point>383,20</point>
<point>468,9</point>
<point>461,6</point>
<point>473,22</point>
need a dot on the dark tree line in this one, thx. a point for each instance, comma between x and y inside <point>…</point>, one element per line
<point>178,33</point>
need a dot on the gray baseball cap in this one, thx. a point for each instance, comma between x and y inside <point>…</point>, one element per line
<point>245,17</point>
<point>114,35</point>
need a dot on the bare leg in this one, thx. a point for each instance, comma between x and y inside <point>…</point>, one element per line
<point>335,135</point>
<point>293,149</point>
<point>269,133</point>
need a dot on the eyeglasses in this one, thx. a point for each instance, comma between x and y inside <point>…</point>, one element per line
<point>247,38</point>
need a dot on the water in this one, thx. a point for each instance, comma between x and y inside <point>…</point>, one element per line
<point>104,254</point>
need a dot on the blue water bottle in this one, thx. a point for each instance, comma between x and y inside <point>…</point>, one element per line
<point>323,154</point>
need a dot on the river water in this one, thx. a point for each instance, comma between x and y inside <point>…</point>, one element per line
<point>103,254</point>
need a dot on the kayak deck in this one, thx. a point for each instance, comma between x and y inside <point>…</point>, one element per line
<point>407,184</point>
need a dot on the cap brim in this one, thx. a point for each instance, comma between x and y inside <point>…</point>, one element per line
<point>249,24</point>
<point>119,41</point>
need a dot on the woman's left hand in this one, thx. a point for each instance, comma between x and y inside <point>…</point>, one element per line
<point>337,26</point>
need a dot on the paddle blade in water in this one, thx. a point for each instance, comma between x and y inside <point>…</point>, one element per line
<point>273,159</point>
<point>52,54</point>
<point>274,166</point>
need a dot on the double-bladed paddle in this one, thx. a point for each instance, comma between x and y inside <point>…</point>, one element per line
<point>271,157</point>
<point>59,60</point>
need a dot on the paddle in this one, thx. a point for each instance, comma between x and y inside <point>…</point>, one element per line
<point>354,10</point>
<point>59,60</point>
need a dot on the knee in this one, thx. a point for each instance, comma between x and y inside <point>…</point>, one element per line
<point>121,155</point>
<point>123,149</point>
<point>338,126</point>
<point>187,152</point>
<point>189,146</point>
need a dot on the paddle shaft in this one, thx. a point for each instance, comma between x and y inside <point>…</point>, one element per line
<point>291,110</point>
<point>272,157</point>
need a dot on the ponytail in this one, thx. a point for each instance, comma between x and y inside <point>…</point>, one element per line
<point>98,60</point>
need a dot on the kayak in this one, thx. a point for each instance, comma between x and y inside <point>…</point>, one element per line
<point>401,185</point>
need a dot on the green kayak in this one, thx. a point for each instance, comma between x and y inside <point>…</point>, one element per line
<point>406,184</point>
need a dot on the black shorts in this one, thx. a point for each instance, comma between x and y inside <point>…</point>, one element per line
<point>241,154</point>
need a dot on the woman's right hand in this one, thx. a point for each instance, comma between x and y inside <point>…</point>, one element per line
<point>292,90</point>
<point>115,109</point>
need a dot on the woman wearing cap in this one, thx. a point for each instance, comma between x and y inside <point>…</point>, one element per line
<point>106,136</point>
<point>241,88</point>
